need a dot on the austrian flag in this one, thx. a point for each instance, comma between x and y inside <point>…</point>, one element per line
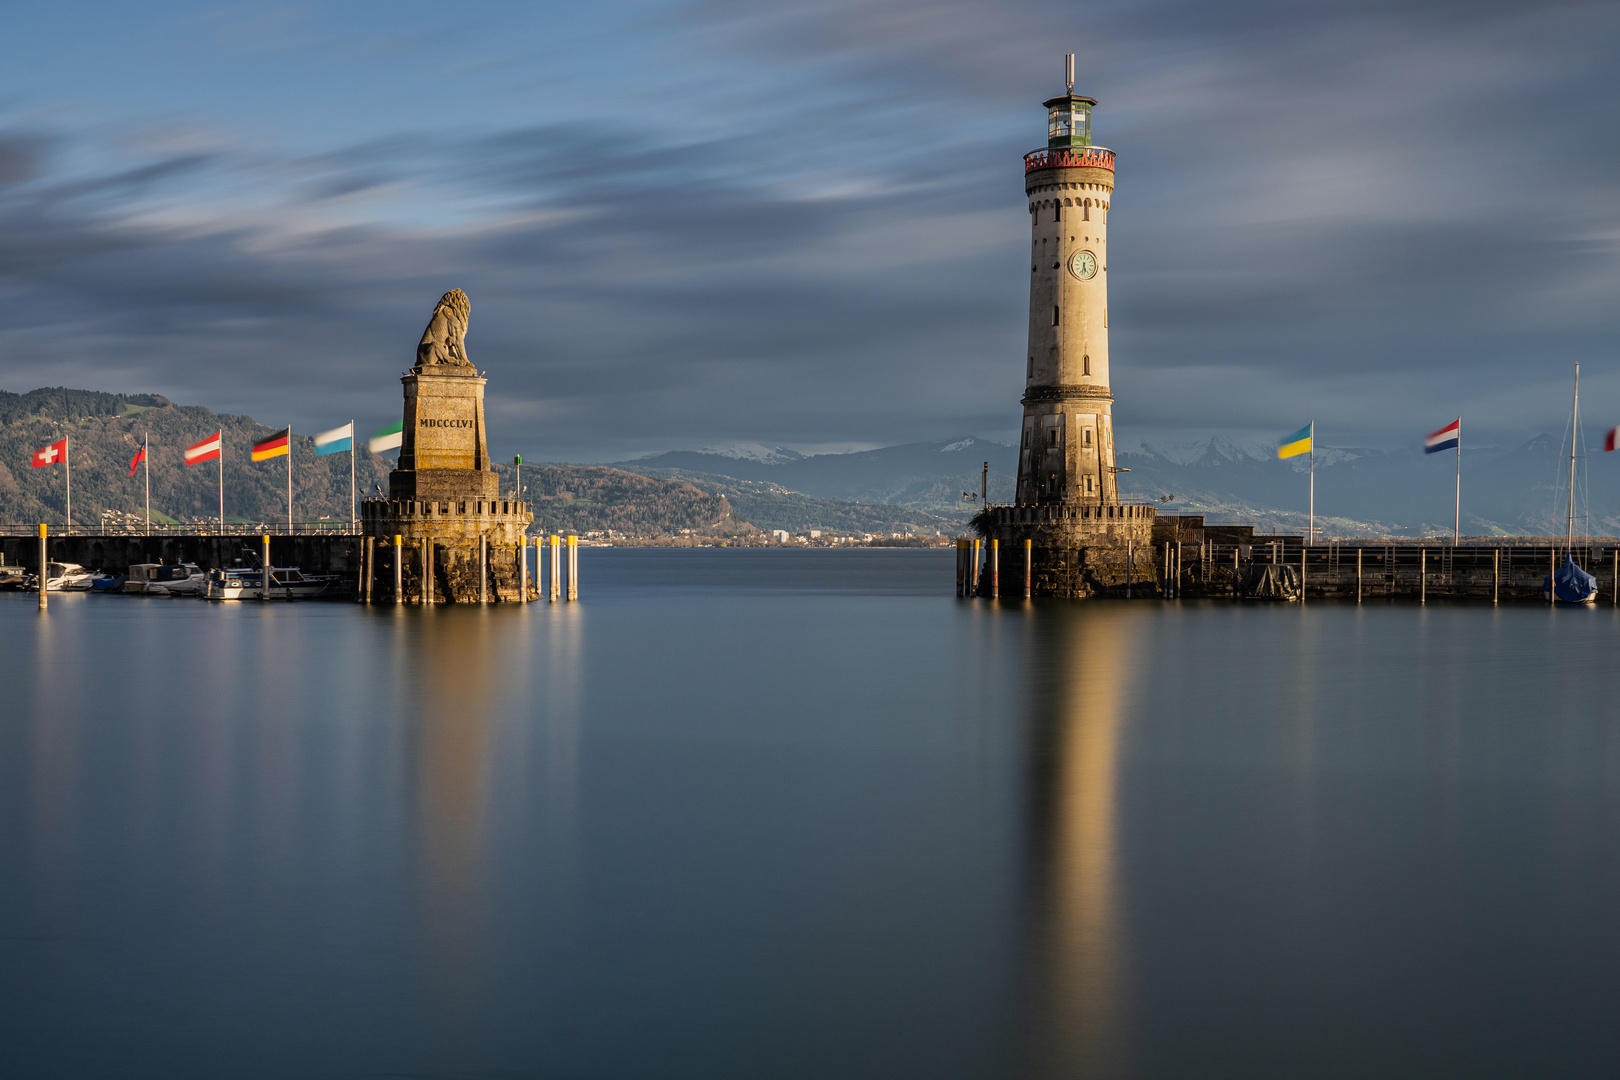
<point>207,450</point>
<point>50,455</point>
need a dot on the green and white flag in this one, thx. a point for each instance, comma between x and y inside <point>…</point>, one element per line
<point>389,438</point>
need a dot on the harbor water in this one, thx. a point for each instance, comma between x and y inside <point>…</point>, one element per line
<point>750,813</point>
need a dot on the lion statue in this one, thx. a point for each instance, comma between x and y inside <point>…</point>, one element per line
<point>444,342</point>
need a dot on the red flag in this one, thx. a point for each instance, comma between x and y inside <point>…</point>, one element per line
<point>140,456</point>
<point>207,450</point>
<point>50,455</point>
<point>1608,442</point>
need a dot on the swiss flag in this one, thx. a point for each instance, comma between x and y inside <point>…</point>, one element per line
<point>50,455</point>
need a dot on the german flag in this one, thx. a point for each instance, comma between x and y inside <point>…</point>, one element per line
<point>275,446</point>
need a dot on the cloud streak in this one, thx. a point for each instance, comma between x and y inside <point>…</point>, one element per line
<point>1372,218</point>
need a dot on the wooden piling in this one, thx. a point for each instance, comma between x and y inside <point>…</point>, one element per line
<point>264,568</point>
<point>976,543</point>
<point>1358,575</point>
<point>1496,573</point>
<point>573,568</point>
<point>523,569</point>
<point>995,568</point>
<point>1423,575</point>
<point>371,567</point>
<point>399,570</point>
<point>961,566</point>
<point>427,570</point>
<point>483,569</point>
<point>556,569</point>
<point>44,565</point>
<point>1029,568</point>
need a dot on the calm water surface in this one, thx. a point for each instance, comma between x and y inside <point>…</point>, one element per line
<point>802,814</point>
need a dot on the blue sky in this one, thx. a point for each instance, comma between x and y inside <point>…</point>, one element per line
<point>689,224</point>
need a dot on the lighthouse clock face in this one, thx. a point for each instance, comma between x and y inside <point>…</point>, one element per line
<point>1083,265</point>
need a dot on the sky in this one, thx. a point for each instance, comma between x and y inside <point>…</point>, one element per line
<point>713,223</point>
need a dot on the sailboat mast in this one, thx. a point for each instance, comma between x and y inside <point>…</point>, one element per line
<point>1574,428</point>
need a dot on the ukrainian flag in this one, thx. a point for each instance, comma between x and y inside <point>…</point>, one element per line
<point>1298,443</point>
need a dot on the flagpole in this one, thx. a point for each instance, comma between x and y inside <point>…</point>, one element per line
<point>67,456</point>
<point>1312,537</point>
<point>1456,513</point>
<point>146,459</point>
<point>289,480</point>
<point>352,507</point>
<point>222,482</point>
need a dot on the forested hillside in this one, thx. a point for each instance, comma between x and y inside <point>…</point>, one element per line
<point>589,498</point>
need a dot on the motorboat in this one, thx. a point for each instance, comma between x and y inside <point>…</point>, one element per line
<point>65,577</point>
<point>104,582</point>
<point>166,579</point>
<point>13,576</point>
<point>286,583</point>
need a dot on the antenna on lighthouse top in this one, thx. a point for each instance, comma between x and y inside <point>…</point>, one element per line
<point>1068,70</point>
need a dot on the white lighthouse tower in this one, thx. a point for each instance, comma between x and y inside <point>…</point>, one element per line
<point>1066,451</point>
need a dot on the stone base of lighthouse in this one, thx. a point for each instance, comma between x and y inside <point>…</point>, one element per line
<point>444,534</point>
<point>1076,551</point>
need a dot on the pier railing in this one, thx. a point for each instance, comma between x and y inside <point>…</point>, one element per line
<point>192,528</point>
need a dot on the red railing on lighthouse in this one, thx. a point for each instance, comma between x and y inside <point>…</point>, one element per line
<point>1070,157</point>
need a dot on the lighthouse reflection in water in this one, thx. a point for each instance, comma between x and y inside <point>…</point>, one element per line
<point>1082,667</point>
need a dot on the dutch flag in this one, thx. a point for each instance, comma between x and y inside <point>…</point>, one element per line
<point>1444,439</point>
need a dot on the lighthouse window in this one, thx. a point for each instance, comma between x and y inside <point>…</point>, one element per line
<point>1086,211</point>
<point>1088,436</point>
<point>1085,366</point>
<point>1051,437</point>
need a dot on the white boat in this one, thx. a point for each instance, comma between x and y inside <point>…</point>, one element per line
<point>64,577</point>
<point>166,579</point>
<point>286,583</point>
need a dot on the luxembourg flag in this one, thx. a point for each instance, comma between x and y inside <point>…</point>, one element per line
<point>335,441</point>
<point>1444,439</point>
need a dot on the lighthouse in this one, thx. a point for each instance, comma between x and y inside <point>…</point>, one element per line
<point>1075,535</point>
<point>1066,449</point>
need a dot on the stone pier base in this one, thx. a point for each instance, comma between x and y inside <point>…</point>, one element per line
<point>444,535</point>
<point>1076,551</point>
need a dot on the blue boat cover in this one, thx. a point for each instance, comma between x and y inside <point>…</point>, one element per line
<point>1571,584</point>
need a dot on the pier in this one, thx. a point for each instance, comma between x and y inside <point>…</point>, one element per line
<point>1188,558</point>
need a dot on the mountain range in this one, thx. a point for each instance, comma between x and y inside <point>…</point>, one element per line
<point>1360,491</point>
